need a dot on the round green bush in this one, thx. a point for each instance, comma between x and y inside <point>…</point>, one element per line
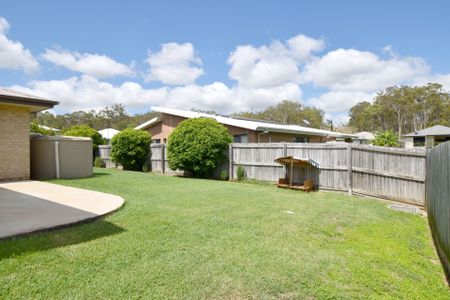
<point>86,131</point>
<point>198,146</point>
<point>131,148</point>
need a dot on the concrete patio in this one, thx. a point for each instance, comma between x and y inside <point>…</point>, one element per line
<point>28,206</point>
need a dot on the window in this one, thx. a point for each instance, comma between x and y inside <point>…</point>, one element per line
<point>301,139</point>
<point>156,141</point>
<point>419,141</point>
<point>241,138</point>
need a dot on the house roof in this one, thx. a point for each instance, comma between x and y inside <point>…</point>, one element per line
<point>298,161</point>
<point>48,128</point>
<point>365,135</point>
<point>247,124</point>
<point>108,133</point>
<point>435,130</point>
<point>34,103</point>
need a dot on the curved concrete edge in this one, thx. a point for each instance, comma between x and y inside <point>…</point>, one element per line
<point>30,206</point>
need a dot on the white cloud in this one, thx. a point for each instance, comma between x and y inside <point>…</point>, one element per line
<point>272,65</point>
<point>174,64</point>
<point>13,55</point>
<point>86,92</point>
<point>339,101</point>
<point>353,70</point>
<point>96,65</point>
<point>443,79</point>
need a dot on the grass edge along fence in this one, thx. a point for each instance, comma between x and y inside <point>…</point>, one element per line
<point>438,200</point>
<point>387,173</point>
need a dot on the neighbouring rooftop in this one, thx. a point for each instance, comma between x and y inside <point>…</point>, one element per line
<point>247,124</point>
<point>430,131</point>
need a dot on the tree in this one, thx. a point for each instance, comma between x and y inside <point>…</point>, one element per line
<point>198,146</point>
<point>403,109</point>
<point>86,131</point>
<point>358,116</point>
<point>131,148</point>
<point>386,139</point>
<point>288,112</point>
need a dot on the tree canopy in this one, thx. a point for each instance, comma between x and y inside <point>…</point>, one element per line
<point>288,112</point>
<point>114,116</point>
<point>403,109</point>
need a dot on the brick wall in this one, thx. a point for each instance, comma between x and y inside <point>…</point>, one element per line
<point>164,128</point>
<point>14,142</point>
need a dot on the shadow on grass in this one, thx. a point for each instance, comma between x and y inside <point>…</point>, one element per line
<point>56,238</point>
<point>98,174</point>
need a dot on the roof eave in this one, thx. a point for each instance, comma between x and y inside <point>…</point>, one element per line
<point>292,131</point>
<point>35,105</point>
<point>147,124</point>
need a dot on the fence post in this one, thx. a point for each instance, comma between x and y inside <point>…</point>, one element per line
<point>230,162</point>
<point>284,167</point>
<point>162,159</point>
<point>349,169</point>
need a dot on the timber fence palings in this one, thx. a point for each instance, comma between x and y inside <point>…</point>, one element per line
<point>438,200</point>
<point>388,173</point>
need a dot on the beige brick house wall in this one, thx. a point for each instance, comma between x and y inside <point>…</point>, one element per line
<point>14,142</point>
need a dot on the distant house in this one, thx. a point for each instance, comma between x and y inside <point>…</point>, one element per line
<point>364,137</point>
<point>15,110</point>
<point>427,137</point>
<point>108,133</point>
<point>242,130</point>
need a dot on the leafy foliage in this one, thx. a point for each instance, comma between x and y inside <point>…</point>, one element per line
<point>198,146</point>
<point>288,112</point>
<point>86,131</point>
<point>240,172</point>
<point>114,116</point>
<point>386,138</point>
<point>224,175</point>
<point>99,162</point>
<point>34,127</point>
<point>131,148</point>
<point>403,109</point>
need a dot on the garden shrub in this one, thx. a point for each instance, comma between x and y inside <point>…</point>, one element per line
<point>34,127</point>
<point>86,131</point>
<point>224,175</point>
<point>99,162</point>
<point>198,146</point>
<point>131,148</point>
<point>387,139</point>
<point>240,172</point>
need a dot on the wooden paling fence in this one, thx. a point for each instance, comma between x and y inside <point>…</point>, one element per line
<point>438,199</point>
<point>389,173</point>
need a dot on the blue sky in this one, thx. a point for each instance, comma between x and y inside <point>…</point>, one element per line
<point>227,56</point>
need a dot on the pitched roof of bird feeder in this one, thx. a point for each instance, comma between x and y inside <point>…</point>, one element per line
<point>296,161</point>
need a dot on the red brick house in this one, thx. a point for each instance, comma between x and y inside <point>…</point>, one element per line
<point>243,130</point>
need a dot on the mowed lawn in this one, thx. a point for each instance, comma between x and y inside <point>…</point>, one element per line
<point>192,238</point>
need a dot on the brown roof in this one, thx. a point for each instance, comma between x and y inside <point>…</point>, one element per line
<point>35,103</point>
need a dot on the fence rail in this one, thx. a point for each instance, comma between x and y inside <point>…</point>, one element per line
<point>438,199</point>
<point>389,173</point>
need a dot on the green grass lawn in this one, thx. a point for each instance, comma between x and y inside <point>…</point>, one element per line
<point>191,238</point>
